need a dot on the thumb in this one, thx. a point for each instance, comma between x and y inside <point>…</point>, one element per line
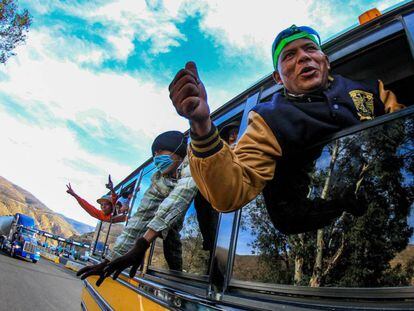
<point>191,66</point>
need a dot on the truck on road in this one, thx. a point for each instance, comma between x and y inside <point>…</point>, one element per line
<point>18,236</point>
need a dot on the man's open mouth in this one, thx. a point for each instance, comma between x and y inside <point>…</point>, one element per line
<point>307,71</point>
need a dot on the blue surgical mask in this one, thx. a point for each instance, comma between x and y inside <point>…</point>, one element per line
<point>162,162</point>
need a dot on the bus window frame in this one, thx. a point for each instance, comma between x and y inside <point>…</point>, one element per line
<point>408,24</point>
<point>236,109</point>
<point>135,180</point>
<point>225,258</point>
<point>118,189</point>
<point>364,35</point>
<point>374,36</point>
<point>330,292</point>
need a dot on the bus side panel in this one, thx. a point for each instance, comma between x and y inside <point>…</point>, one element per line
<point>120,297</point>
<point>88,301</point>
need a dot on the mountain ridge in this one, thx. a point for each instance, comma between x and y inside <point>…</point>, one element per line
<point>14,199</point>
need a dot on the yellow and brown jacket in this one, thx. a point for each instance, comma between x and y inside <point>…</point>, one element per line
<point>276,131</point>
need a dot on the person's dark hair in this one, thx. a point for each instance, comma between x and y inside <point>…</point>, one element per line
<point>173,141</point>
<point>126,194</point>
<point>225,131</point>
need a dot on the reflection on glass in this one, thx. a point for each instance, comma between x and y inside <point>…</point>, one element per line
<point>116,229</point>
<point>195,237</point>
<point>370,173</point>
<point>143,186</point>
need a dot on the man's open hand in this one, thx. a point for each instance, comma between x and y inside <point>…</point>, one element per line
<point>189,98</point>
<point>97,269</point>
<point>133,258</point>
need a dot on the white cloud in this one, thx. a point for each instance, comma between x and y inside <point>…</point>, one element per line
<point>70,90</point>
<point>241,26</point>
<point>37,156</point>
<point>130,19</point>
<point>250,27</point>
<point>36,159</point>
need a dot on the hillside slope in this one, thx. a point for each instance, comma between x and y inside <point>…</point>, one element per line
<point>77,225</point>
<point>14,199</point>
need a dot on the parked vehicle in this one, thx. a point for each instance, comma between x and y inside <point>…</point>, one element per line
<point>18,237</point>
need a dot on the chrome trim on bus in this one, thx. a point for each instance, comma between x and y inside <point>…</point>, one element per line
<point>366,40</point>
<point>168,291</point>
<point>264,302</point>
<point>367,125</point>
<point>83,307</point>
<point>97,297</point>
<point>383,293</point>
<point>408,24</point>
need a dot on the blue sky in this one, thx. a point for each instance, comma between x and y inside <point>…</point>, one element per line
<point>87,93</point>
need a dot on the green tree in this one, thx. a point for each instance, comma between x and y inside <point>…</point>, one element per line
<point>377,163</point>
<point>381,159</point>
<point>13,28</point>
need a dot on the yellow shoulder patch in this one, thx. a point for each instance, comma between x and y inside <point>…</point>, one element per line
<point>364,104</point>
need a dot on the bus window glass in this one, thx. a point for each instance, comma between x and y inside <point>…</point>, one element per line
<point>373,250</point>
<point>143,186</point>
<point>391,62</point>
<point>115,228</point>
<point>190,250</point>
<point>101,235</point>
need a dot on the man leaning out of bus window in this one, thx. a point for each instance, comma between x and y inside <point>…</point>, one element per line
<point>107,212</point>
<point>312,104</point>
<point>160,213</point>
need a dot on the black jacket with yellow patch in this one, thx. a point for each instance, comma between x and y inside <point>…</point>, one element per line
<point>298,122</point>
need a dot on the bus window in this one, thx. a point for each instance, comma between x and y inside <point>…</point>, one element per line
<point>115,229</point>
<point>110,231</point>
<point>143,186</point>
<point>373,250</point>
<point>390,61</point>
<point>189,244</point>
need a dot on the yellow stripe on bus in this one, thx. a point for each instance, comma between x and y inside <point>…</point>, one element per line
<point>120,297</point>
<point>89,301</point>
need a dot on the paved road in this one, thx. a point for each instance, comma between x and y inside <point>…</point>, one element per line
<point>43,286</point>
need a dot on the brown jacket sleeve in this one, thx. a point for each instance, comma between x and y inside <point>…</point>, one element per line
<point>228,178</point>
<point>389,99</point>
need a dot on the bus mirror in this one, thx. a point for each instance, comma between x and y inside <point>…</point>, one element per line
<point>368,16</point>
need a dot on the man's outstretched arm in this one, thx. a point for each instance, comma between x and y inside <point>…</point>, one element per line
<point>227,179</point>
<point>89,208</point>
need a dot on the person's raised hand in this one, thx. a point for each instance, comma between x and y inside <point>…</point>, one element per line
<point>110,184</point>
<point>70,190</point>
<point>189,98</point>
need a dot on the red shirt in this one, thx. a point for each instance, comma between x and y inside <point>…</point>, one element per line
<point>98,213</point>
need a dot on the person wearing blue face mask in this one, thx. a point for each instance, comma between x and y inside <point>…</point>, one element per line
<point>160,213</point>
<point>163,162</point>
<point>168,150</point>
